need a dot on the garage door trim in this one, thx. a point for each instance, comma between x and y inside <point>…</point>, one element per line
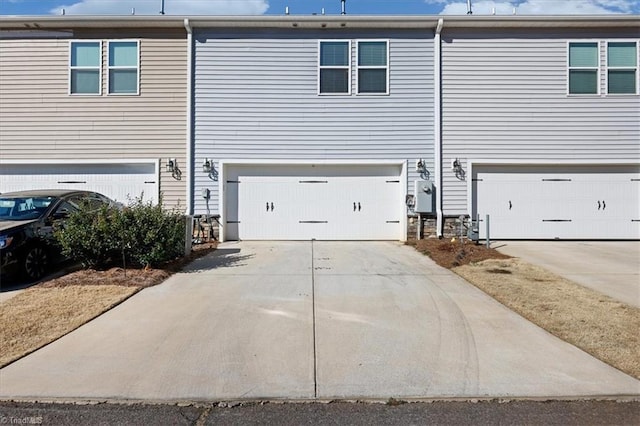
<point>226,165</point>
<point>475,164</point>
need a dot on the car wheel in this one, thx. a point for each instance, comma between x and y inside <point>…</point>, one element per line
<point>35,263</point>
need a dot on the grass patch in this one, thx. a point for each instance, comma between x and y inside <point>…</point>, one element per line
<point>596,323</point>
<point>599,325</point>
<point>47,311</point>
<point>40,315</point>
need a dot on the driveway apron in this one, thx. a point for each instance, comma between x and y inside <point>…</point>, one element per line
<point>306,320</point>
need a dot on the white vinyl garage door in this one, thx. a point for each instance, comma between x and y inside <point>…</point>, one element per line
<point>120,182</point>
<point>558,202</point>
<point>324,203</point>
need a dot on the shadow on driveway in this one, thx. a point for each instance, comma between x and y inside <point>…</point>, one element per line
<point>221,258</point>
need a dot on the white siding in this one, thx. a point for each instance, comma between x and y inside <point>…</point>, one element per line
<point>256,98</point>
<point>505,98</point>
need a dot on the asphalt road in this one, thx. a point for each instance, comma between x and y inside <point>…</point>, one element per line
<point>337,413</point>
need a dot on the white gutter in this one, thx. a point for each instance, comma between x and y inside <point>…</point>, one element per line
<point>13,22</point>
<point>189,136</point>
<point>437,125</point>
<point>68,22</point>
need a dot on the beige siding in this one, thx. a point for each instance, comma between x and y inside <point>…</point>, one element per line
<point>40,120</point>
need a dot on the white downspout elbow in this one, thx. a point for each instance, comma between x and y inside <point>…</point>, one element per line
<point>437,131</point>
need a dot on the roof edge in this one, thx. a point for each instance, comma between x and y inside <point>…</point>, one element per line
<point>12,22</point>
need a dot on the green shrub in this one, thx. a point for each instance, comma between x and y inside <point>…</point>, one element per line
<point>141,234</point>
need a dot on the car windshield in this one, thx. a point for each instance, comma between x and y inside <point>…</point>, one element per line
<point>23,208</point>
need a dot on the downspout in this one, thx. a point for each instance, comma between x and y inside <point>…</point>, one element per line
<point>437,117</point>
<point>189,136</point>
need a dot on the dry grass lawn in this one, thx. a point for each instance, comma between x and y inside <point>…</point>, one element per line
<point>592,321</point>
<point>51,309</point>
<point>40,315</point>
<point>597,324</point>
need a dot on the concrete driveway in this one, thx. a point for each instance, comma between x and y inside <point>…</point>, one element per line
<point>305,320</point>
<point>610,267</point>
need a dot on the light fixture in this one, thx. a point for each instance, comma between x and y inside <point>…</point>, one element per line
<point>171,165</point>
<point>456,168</point>
<point>207,165</point>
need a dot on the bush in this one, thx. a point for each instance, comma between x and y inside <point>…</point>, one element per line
<point>145,234</point>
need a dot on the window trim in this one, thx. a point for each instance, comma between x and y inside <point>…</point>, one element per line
<point>635,69</point>
<point>597,68</point>
<point>348,67</point>
<point>109,67</point>
<point>386,67</point>
<point>70,67</point>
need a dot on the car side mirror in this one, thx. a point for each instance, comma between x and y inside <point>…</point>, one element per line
<point>63,214</point>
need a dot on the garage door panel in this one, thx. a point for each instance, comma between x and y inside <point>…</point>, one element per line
<point>373,208</point>
<point>585,203</point>
<point>267,207</point>
<point>511,203</point>
<point>320,207</point>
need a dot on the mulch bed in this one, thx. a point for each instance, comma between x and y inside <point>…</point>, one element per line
<point>130,277</point>
<point>451,253</point>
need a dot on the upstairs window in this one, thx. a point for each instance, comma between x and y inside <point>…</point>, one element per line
<point>583,68</point>
<point>335,67</point>
<point>123,67</point>
<point>373,72</point>
<point>84,67</point>
<point>622,68</point>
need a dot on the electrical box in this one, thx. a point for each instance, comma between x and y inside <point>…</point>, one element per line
<point>424,196</point>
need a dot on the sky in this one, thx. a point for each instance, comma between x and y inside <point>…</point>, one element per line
<point>308,7</point>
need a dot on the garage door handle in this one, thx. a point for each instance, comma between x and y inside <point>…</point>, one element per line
<point>269,206</point>
<point>510,205</point>
<point>356,206</point>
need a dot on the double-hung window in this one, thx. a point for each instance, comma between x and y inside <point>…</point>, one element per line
<point>334,67</point>
<point>123,67</point>
<point>373,71</point>
<point>583,68</point>
<point>622,68</point>
<point>85,63</point>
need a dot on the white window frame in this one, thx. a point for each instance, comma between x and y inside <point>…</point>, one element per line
<point>371,67</point>
<point>99,68</point>
<point>607,67</point>
<point>109,67</point>
<point>597,68</point>
<point>348,67</point>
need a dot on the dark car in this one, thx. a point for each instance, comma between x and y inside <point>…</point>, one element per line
<point>27,220</point>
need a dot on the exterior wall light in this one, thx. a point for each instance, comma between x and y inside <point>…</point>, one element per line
<point>171,165</point>
<point>207,165</point>
<point>456,168</point>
